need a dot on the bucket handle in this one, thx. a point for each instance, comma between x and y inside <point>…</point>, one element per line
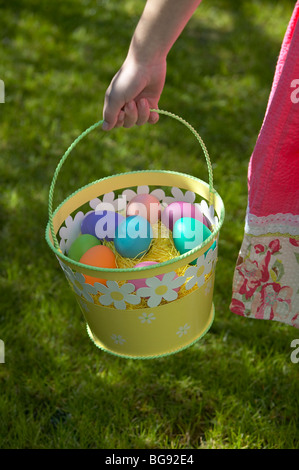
<point>94,126</point>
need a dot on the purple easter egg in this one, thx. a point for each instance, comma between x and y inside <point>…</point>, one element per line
<point>101,224</point>
<point>178,209</point>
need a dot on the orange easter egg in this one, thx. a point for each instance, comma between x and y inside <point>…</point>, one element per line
<point>100,256</point>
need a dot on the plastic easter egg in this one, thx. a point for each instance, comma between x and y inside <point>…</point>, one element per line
<point>81,245</point>
<point>101,224</point>
<point>178,209</point>
<point>141,282</point>
<point>133,237</point>
<point>146,206</point>
<point>188,233</point>
<point>100,256</point>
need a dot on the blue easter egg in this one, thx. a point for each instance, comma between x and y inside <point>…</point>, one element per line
<point>188,233</point>
<point>101,224</point>
<point>133,237</point>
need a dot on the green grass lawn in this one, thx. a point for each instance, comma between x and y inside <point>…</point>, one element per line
<point>237,387</point>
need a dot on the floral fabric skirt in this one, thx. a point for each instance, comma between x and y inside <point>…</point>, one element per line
<point>266,278</point>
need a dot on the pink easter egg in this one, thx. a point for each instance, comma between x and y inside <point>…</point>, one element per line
<point>178,209</point>
<point>141,282</point>
<point>146,206</point>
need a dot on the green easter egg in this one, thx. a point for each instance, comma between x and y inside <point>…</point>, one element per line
<point>189,233</point>
<point>81,245</point>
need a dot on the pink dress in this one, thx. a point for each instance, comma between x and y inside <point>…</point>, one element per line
<point>266,278</point>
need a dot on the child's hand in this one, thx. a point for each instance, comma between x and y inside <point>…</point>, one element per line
<point>132,92</point>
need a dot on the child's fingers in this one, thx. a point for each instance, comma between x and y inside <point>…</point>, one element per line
<point>110,116</point>
<point>131,114</point>
<point>143,111</point>
<point>153,117</point>
<point>112,106</point>
<point>120,119</point>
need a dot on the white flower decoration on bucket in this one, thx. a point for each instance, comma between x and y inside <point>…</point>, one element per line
<point>117,295</point>
<point>108,202</point>
<point>71,231</point>
<point>178,195</point>
<point>129,193</point>
<point>208,212</point>
<point>147,317</point>
<point>78,283</point>
<point>118,339</point>
<point>203,267</point>
<point>161,289</point>
<point>183,330</point>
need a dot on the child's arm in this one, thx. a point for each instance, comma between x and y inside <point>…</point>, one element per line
<point>138,84</point>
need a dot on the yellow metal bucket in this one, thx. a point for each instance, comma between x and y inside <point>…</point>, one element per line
<point>130,326</point>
